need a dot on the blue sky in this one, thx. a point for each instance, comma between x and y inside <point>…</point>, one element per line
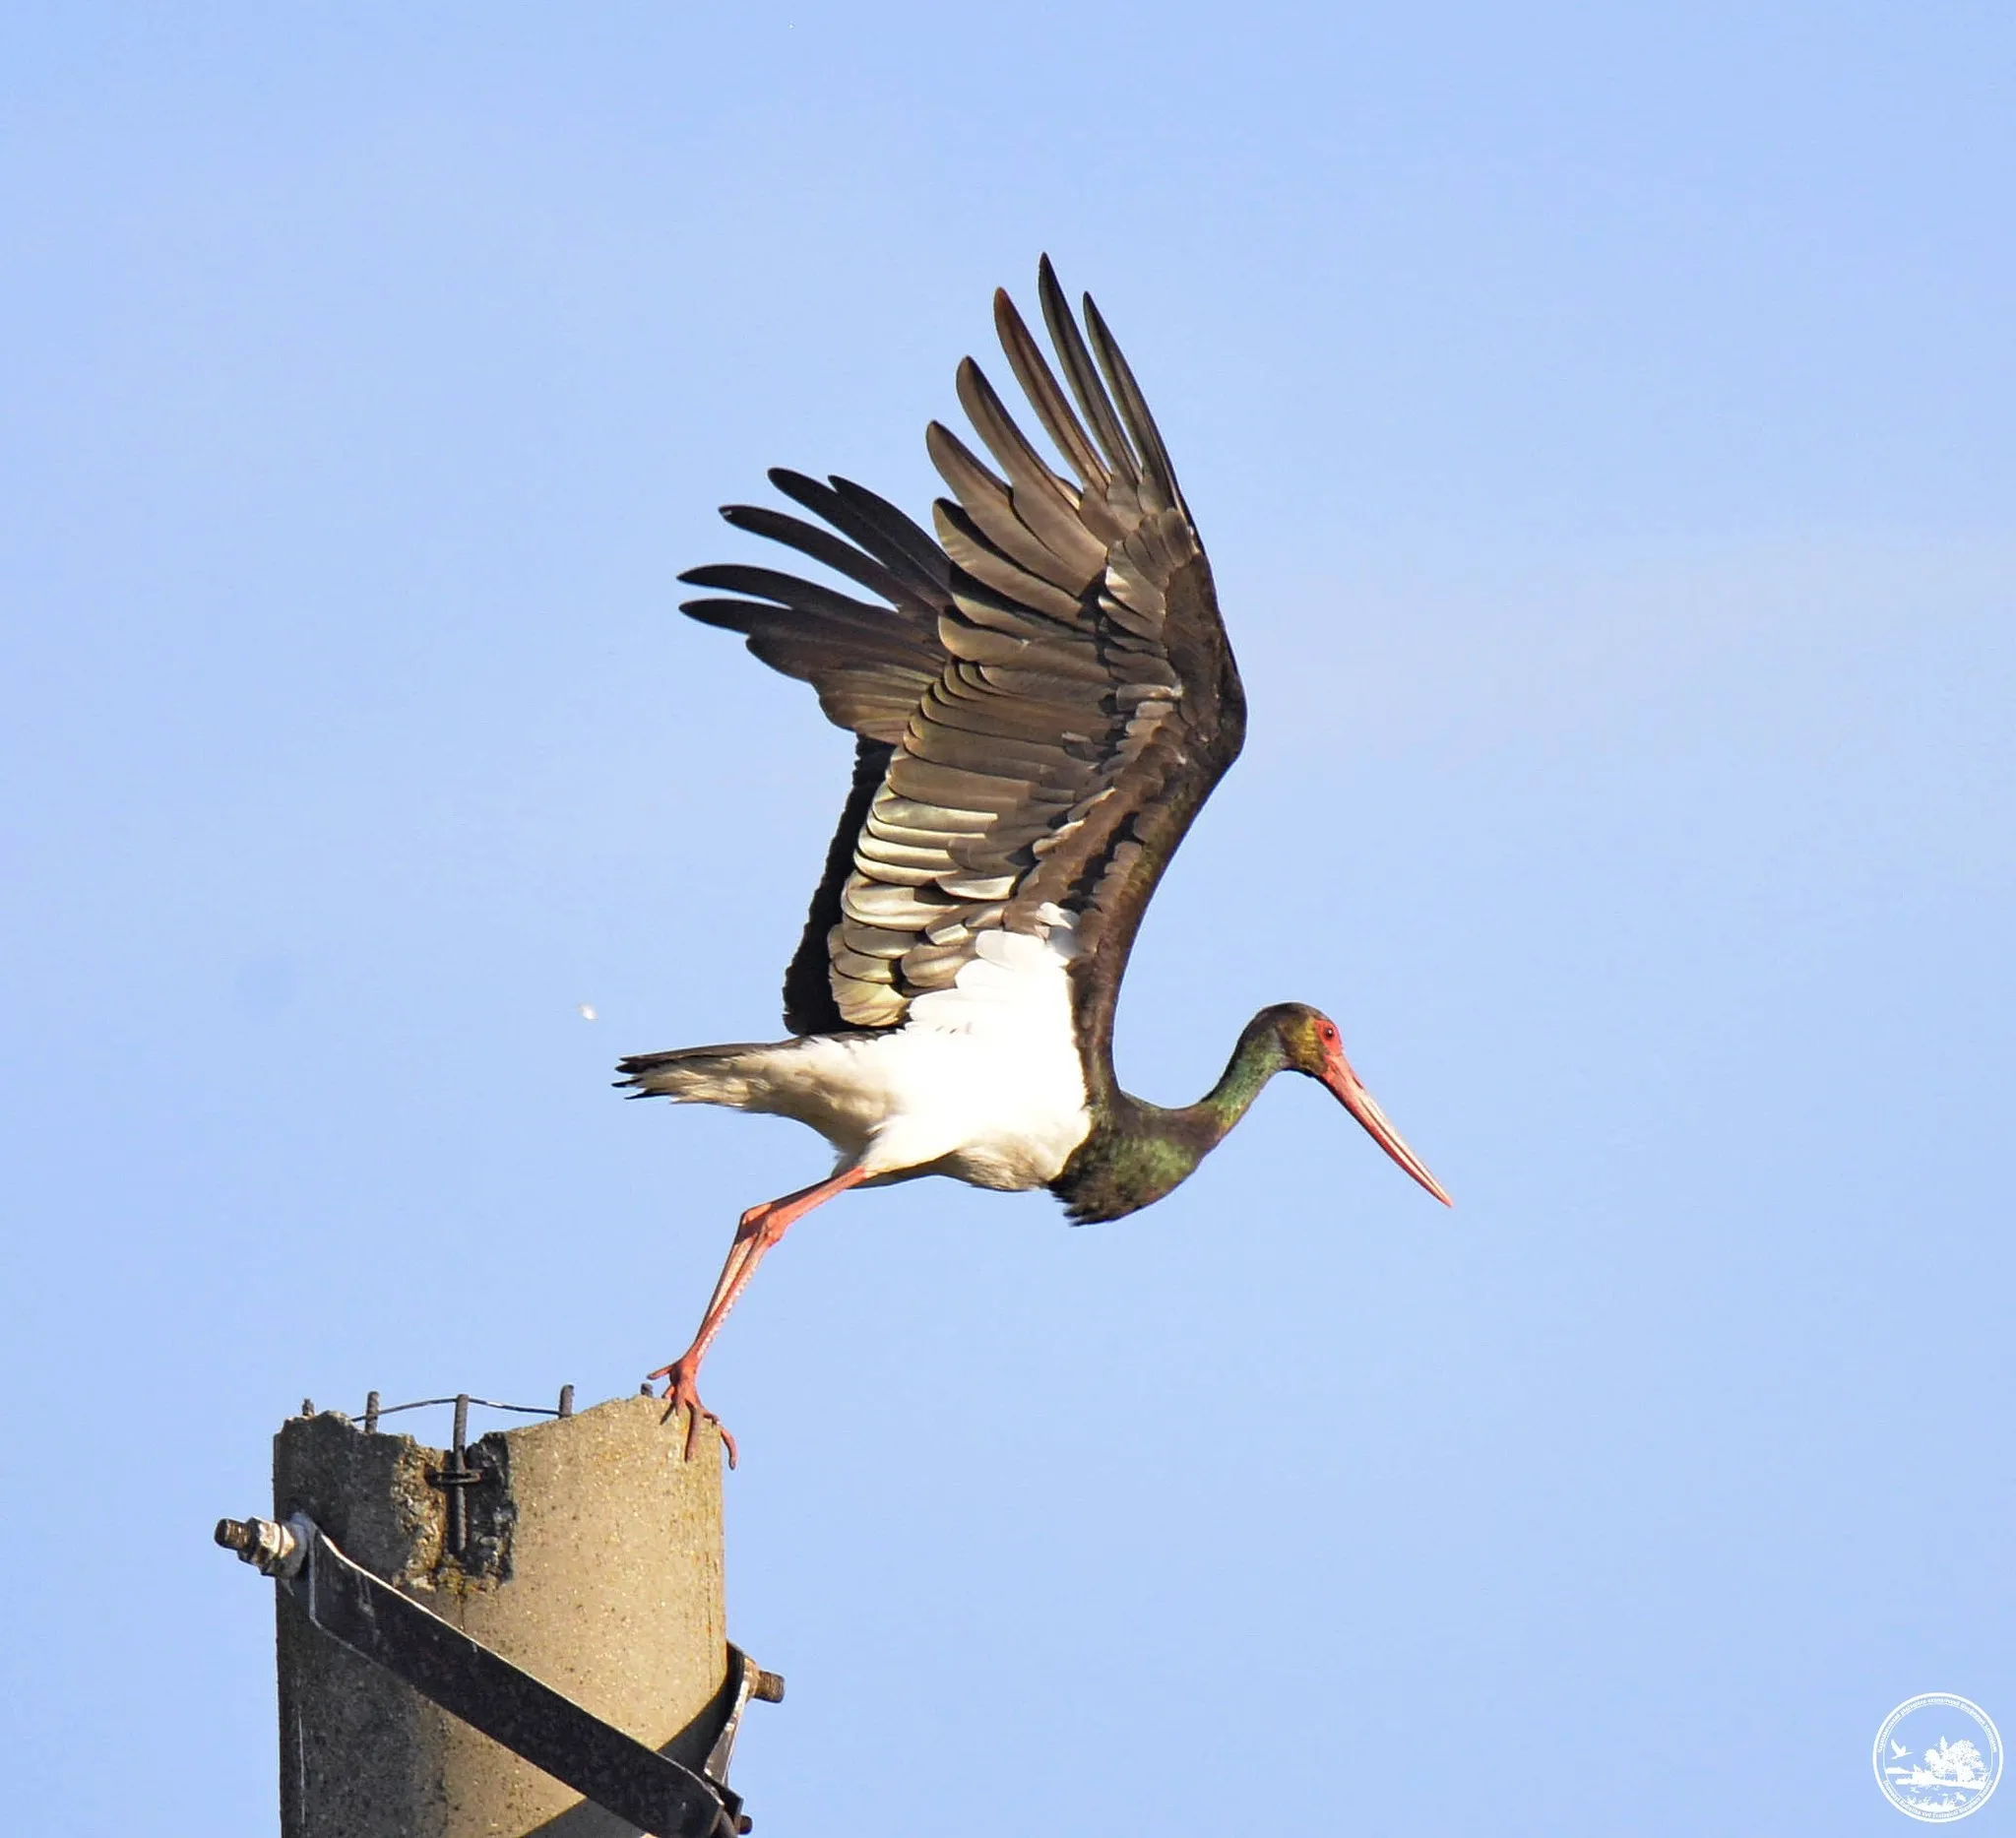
<point>1599,421</point>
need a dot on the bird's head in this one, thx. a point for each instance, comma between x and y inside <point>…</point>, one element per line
<point>1311,1045</point>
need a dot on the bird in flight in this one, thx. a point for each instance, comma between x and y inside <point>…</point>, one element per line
<point>1042,697</point>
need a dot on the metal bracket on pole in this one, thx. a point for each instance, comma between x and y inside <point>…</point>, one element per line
<point>506,1703</point>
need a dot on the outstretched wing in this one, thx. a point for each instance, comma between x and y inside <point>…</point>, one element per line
<point>1046,691</point>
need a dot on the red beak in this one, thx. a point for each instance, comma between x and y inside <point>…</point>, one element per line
<point>1352,1094</point>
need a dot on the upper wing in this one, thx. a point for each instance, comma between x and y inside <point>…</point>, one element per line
<point>1052,686</point>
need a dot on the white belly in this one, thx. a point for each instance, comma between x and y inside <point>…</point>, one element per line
<point>982,1082</point>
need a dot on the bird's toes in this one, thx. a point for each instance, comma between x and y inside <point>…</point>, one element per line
<point>682,1394</point>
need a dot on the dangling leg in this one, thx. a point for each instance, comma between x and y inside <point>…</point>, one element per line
<point>761,1228</point>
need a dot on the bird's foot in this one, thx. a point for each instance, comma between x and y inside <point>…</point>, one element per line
<point>682,1393</point>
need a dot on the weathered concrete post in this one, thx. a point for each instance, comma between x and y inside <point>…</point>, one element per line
<point>586,1550</point>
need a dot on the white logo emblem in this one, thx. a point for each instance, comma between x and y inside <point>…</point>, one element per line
<point>1938,1757</point>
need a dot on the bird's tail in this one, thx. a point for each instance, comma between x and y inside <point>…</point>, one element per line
<point>726,1075</point>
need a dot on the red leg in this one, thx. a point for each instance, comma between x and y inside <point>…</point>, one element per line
<point>761,1228</point>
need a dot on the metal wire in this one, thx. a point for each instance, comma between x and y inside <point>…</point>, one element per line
<point>373,1410</point>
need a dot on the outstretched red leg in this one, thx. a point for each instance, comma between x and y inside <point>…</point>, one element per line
<point>761,1228</point>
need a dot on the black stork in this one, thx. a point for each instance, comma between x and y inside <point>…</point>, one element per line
<point>1043,698</point>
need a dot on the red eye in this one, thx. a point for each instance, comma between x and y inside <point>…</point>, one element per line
<point>1328,1033</point>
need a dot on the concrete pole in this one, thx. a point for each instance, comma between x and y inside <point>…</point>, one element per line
<point>590,1553</point>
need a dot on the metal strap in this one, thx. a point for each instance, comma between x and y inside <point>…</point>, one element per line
<point>505,1702</point>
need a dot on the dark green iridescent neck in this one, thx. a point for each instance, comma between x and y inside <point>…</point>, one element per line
<point>1256,1059</point>
<point>1138,1151</point>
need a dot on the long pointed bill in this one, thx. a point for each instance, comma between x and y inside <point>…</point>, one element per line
<point>1352,1094</point>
